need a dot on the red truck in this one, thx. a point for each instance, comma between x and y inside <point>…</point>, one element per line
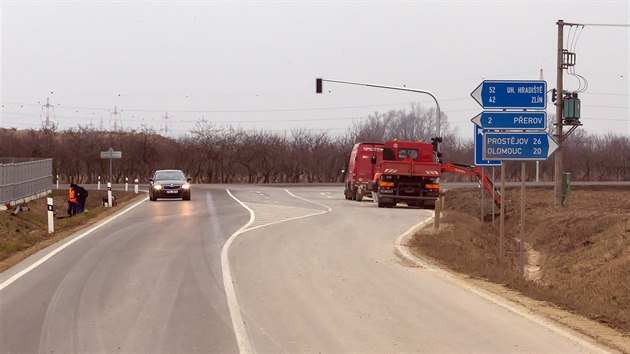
<point>408,173</point>
<point>363,164</point>
<point>403,171</point>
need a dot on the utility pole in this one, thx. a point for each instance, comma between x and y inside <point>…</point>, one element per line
<point>558,166</point>
<point>48,123</point>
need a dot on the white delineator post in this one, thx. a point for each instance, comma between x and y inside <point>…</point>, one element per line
<point>135,187</point>
<point>99,183</point>
<point>126,184</point>
<point>51,219</point>
<point>57,181</point>
<point>109,194</point>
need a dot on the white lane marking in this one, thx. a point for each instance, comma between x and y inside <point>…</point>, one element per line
<point>403,240</point>
<point>240,331</point>
<point>67,244</point>
<point>281,206</point>
<point>402,248</point>
<point>285,220</point>
<point>310,201</point>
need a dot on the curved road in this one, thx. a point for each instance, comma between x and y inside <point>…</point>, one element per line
<point>254,268</point>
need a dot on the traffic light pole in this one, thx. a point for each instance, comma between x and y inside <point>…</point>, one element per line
<point>319,90</point>
<point>558,166</point>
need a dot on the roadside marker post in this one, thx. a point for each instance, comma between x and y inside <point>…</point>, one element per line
<point>436,219</point>
<point>57,181</point>
<point>51,218</point>
<point>98,186</point>
<point>126,184</point>
<point>135,187</point>
<point>109,194</point>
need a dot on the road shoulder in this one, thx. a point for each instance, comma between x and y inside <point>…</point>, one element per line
<point>576,327</point>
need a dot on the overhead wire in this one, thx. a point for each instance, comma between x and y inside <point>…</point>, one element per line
<point>572,40</point>
<point>575,51</point>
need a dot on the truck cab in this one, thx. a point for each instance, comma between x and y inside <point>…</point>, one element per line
<point>364,162</point>
<point>408,173</point>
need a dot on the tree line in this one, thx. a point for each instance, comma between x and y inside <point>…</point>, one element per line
<point>223,154</point>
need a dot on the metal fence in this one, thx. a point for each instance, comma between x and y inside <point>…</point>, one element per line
<point>23,179</point>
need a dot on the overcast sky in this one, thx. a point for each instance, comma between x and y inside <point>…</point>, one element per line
<point>254,64</point>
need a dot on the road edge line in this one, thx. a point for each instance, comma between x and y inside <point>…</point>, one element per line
<point>402,250</point>
<point>401,245</point>
<point>60,248</point>
<point>240,331</point>
<point>309,201</point>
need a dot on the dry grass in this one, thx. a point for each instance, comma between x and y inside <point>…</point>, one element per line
<point>585,248</point>
<point>27,232</point>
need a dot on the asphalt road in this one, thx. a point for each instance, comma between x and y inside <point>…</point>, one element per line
<point>261,269</point>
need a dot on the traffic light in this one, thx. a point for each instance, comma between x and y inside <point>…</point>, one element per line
<point>435,142</point>
<point>554,95</point>
<point>318,85</point>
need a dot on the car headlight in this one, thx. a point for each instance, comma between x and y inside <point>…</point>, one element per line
<point>186,186</point>
<point>157,187</point>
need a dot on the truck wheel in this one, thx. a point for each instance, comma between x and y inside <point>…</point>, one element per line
<point>358,196</point>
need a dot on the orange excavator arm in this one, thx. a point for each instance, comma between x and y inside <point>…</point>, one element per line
<point>475,171</point>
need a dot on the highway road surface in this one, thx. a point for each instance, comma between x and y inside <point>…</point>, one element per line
<point>254,269</point>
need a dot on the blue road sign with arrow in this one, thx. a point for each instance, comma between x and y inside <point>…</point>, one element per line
<point>506,94</point>
<point>511,120</point>
<point>518,146</point>
<point>479,161</point>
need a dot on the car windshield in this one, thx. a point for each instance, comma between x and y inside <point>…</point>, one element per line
<point>169,175</point>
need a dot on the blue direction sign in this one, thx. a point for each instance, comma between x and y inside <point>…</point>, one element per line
<point>511,120</point>
<point>505,94</point>
<point>518,146</point>
<point>479,161</point>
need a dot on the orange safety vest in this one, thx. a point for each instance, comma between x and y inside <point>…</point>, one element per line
<point>71,196</point>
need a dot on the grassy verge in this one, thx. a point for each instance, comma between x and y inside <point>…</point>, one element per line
<point>27,232</point>
<point>584,249</point>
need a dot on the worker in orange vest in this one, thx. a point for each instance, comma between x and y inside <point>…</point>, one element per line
<point>72,200</point>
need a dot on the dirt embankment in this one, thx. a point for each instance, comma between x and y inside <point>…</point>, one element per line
<point>27,232</point>
<point>579,255</point>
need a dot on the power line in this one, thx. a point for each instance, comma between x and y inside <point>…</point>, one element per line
<point>606,94</point>
<point>601,106</point>
<point>601,24</point>
<point>271,110</point>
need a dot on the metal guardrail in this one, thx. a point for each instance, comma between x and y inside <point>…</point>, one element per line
<point>21,179</point>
